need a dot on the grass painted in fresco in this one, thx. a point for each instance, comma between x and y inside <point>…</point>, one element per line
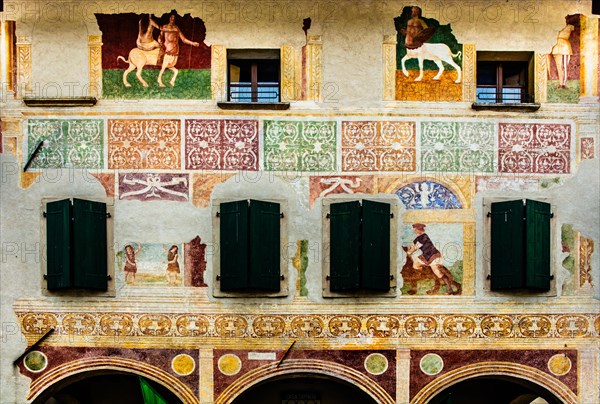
<point>569,95</point>
<point>193,84</point>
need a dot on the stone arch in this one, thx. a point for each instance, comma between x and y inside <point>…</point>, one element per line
<point>515,370</point>
<point>307,367</point>
<point>182,391</point>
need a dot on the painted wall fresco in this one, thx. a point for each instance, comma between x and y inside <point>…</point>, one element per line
<point>76,143</point>
<point>144,143</point>
<point>321,186</point>
<point>541,360</point>
<point>427,195</point>
<point>434,259</point>
<point>150,264</point>
<point>428,57</point>
<point>148,56</point>
<point>564,63</point>
<point>153,187</point>
<point>378,146</point>
<point>230,365</point>
<point>534,148</point>
<point>300,146</point>
<point>457,146</point>
<point>221,144</point>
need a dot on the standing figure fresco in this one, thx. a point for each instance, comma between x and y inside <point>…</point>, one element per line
<point>563,64</point>
<point>130,264</point>
<point>172,265</point>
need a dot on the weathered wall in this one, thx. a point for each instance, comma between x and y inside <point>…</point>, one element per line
<point>352,139</point>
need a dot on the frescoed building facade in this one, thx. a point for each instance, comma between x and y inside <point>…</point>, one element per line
<point>309,201</point>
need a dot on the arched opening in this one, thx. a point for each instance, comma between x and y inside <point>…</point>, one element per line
<point>304,388</point>
<point>495,390</point>
<point>103,386</point>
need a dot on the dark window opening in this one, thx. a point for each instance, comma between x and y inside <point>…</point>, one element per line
<point>505,77</point>
<point>254,75</point>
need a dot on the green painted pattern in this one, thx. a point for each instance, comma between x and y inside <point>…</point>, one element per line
<point>190,84</point>
<point>300,146</point>
<point>457,147</point>
<point>76,143</point>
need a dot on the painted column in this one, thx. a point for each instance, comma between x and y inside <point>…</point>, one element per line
<point>402,376</point>
<point>206,387</point>
<point>469,64</point>
<point>218,72</point>
<point>23,66</point>
<point>589,58</point>
<point>288,70</point>
<point>314,68</point>
<point>588,376</point>
<point>541,78</point>
<point>95,65</point>
<point>389,67</point>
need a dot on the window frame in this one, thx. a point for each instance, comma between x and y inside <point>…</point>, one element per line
<point>395,245</point>
<point>498,58</point>
<point>486,258</point>
<point>110,255</point>
<point>216,254</point>
<point>253,55</point>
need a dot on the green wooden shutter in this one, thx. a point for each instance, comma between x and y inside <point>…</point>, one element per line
<point>264,246</point>
<point>345,246</point>
<point>234,245</point>
<point>58,244</point>
<point>375,258</point>
<point>149,394</point>
<point>507,253</point>
<point>90,269</point>
<point>537,222</point>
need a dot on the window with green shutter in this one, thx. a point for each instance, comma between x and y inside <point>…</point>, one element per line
<point>250,246</point>
<point>520,245</point>
<point>359,246</point>
<point>76,245</point>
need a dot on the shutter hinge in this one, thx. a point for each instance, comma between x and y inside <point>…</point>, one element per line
<point>327,277</point>
<point>489,277</point>
<point>551,215</point>
<point>281,215</point>
<point>108,278</point>
<point>282,277</point>
<point>391,215</point>
<point>489,214</point>
<point>391,277</point>
<point>551,277</point>
<point>218,277</point>
<point>218,214</point>
<point>44,214</point>
<point>328,216</point>
<point>108,215</point>
<point>45,276</point>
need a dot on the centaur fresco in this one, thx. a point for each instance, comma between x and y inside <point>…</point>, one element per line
<point>151,45</point>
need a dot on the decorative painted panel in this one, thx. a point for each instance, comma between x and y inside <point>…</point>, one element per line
<point>322,186</point>
<point>427,195</point>
<point>76,143</point>
<point>325,326</point>
<point>221,144</point>
<point>457,146</point>
<point>151,264</point>
<point>167,53</point>
<point>300,146</point>
<point>153,187</point>
<point>587,148</point>
<point>144,143</point>
<point>534,148</point>
<point>378,146</point>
